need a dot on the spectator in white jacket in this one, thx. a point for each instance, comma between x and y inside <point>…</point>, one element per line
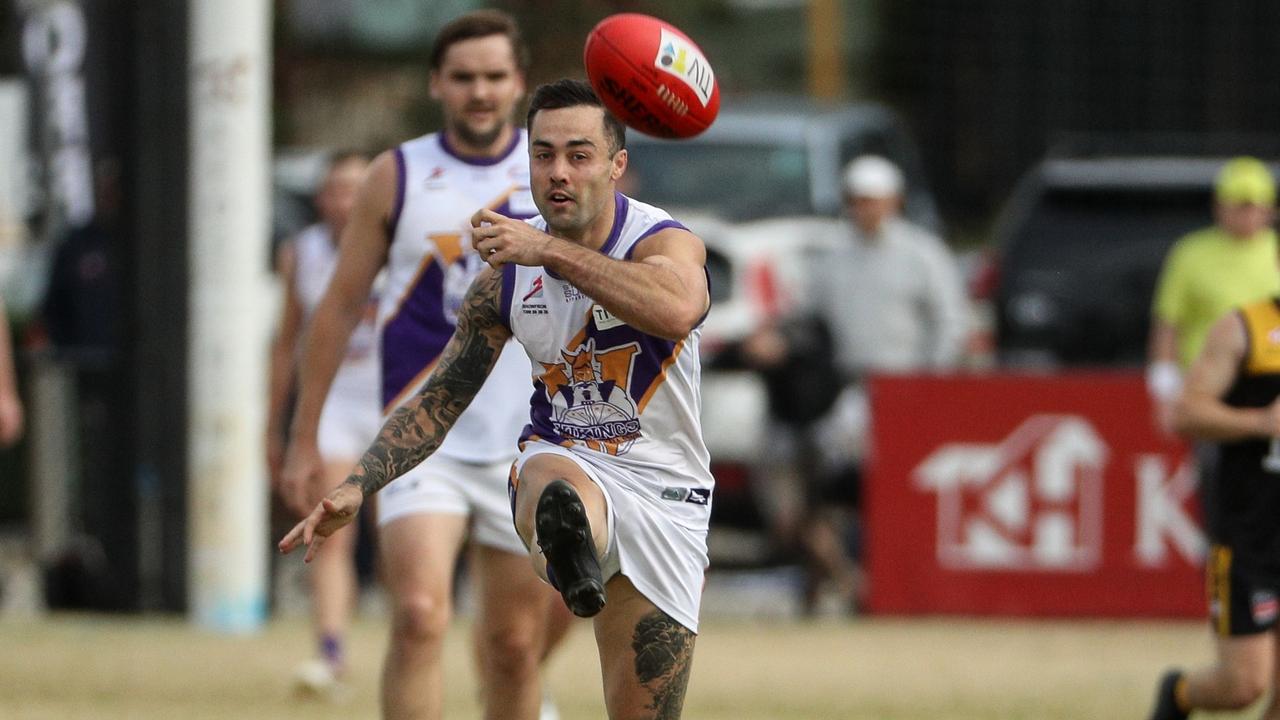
<point>893,296</point>
<point>887,297</point>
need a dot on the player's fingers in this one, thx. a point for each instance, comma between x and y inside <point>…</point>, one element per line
<point>487,247</point>
<point>313,548</point>
<point>290,539</point>
<point>309,527</point>
<point>496,258</point>
<point>483,235</point>
<point>484,215</point>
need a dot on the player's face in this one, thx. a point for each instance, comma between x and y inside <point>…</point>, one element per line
<point>338,193</point>
<point>478,83</point>
<point>571,169</point>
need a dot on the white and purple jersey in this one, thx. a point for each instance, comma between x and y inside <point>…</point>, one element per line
<point>431,264</point>
<point>601,386</point>
<point>315,259</point>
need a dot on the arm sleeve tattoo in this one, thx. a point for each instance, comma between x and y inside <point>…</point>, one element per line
<point>416,429</point>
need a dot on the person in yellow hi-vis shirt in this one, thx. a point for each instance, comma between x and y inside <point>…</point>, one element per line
<point>1210,271</point>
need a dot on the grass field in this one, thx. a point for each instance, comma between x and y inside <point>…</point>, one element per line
<point>80,666</point>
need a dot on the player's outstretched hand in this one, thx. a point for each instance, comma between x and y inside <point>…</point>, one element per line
<point>337,509</point>
<point>500,239</point>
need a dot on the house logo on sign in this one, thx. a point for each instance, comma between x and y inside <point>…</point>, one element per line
<point>1030,502</point>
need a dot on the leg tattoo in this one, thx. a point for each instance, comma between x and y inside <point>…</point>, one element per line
<point>664,656</point>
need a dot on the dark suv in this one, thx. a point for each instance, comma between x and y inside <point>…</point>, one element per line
<point>1080,248</point>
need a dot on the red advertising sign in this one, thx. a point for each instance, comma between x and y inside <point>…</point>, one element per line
<point>1028,495</point>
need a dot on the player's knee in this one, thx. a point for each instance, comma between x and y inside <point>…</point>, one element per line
<point>419,618</point>
<point>512,652</point>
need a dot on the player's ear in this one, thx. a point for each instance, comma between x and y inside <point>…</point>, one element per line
<point>619,164</point>
<point>433,85</point>
<point>522,85</point>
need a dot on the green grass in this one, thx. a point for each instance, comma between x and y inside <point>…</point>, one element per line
<point>78,666</point>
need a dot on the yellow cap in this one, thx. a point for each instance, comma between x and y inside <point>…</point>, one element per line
<point>1245,181</point>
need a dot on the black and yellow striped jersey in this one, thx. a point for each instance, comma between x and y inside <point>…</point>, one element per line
<point>1246,511</point>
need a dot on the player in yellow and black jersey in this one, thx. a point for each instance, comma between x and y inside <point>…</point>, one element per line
<point>1232,398</point>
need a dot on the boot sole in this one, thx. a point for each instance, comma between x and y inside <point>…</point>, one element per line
<point>564,534</point>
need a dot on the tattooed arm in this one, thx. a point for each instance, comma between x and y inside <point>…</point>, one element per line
<point>416,429</point>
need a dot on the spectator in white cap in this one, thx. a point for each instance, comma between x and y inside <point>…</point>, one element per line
<point>875,187</point>
<point>893,297</point>
<point>890,298</point>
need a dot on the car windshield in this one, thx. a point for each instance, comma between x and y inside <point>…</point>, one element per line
<point>739,181</point>
<point>1140,224</point>
<point>1081,270</point>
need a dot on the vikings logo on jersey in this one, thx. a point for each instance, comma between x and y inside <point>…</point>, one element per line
<point>588,395</point>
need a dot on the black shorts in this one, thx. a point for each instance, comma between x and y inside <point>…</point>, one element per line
<point>1242,600</point>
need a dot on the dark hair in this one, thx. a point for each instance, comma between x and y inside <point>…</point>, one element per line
<point>567,93</point>
<point>478,24</point>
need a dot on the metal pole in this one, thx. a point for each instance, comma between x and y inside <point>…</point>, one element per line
<point>230,88</point>
<point>826,66</point>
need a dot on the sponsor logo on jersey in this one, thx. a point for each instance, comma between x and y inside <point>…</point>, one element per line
<point>435,179</point>
<point>695,496</point>
<point>678,57</point>
<point>535,289</point>
<point>604,319</point>
<point>698,496</point>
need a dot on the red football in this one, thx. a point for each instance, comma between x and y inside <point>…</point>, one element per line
<point>651,76</point>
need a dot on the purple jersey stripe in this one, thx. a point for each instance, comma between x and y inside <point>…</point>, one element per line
<point>657,227</point>
<point>707,274</point>
<point>415,336</point>
<point>508,293</point>
<point>480,161</point>
<point>394,221</point>
<point>648,363</point>
<point>540,416</point>
<point>620,205</point>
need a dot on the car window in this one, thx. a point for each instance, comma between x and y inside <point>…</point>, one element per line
<point>740,181</point>
<point>1079,271</point>
<point>719,276</point>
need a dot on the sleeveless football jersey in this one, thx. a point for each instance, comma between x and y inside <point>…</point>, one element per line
<point>600,386</point>
<point>316,258</point>
<point>1248,482</point>
<point>430,266</point>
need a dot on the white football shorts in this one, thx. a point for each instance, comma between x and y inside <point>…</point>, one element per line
<point>347,428</point>
<point>663,553</point>
<point>442,485</point>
